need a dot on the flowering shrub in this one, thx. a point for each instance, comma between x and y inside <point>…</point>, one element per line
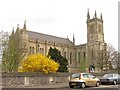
<point>38,63</point>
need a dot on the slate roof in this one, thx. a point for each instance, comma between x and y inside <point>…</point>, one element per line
<point>49,38</point>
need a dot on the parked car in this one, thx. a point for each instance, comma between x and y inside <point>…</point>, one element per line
<point>83,79</point>
<point>112,78</point>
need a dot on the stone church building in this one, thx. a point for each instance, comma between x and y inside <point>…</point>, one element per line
<point>90,54</point>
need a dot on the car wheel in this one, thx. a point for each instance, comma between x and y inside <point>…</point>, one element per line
<point>83,85</point>
<point>97,84</point>
<point>114,82</point>
<point>71,86</point>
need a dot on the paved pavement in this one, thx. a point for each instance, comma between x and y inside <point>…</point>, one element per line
<point>57,85</point>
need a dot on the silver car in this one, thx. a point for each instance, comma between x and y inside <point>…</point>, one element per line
<point>112,78</point>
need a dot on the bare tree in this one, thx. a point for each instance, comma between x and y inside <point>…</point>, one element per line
<point>112,57</point>
<point>108,59</point>
<point>118,64</point>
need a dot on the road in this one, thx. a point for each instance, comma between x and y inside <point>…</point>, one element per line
<point>102,87</point>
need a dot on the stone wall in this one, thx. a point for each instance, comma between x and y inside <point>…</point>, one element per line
<point>33,79</point>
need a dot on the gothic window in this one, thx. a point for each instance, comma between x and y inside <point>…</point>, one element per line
<point>79,57</point>
<point>42,50</point>
<point>38,48</point>
<point>102,55</point>
<point>99,28</point>
<point>32,50</point>
<point>70,57</point>
<point>84,55</point>
<point>92,28</point>
<point>65,54</point>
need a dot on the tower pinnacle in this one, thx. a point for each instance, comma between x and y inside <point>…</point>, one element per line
<point>17,30</point>
<point>88,15</point>
<point>17,26</point>
<point>24,27</point>
<point>73,39</point>
<point>95,14</point>
<point>101,16</point>
<point>13,31</point>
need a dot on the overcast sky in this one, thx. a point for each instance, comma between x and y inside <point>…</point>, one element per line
<point>60,17</point>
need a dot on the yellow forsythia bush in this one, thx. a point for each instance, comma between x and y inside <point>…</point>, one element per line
<point>38,63</point>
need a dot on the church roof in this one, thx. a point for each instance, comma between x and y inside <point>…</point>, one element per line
<point>49,38</point>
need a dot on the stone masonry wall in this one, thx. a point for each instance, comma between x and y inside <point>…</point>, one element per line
<point>33,79</point>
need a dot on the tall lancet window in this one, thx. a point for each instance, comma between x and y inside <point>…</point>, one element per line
<point>38,50</point>
<point>65,54</point>
<point>99,28</point>
<point>32,50</point>
<point>84,55</point>
<point>78,57</point>
<point>70,57</point>
<point>92,28</point>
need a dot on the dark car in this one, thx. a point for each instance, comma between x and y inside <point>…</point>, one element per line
<point>112,78</point>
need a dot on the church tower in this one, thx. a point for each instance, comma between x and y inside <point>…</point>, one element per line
<point>21,37</point>
<point>96,47</point>
<point>94,29</point>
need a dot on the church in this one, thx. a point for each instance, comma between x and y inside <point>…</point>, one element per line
<point>88,57</point>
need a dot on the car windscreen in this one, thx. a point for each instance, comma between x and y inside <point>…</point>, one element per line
<point>108,75</point>
<point>75,75</point>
